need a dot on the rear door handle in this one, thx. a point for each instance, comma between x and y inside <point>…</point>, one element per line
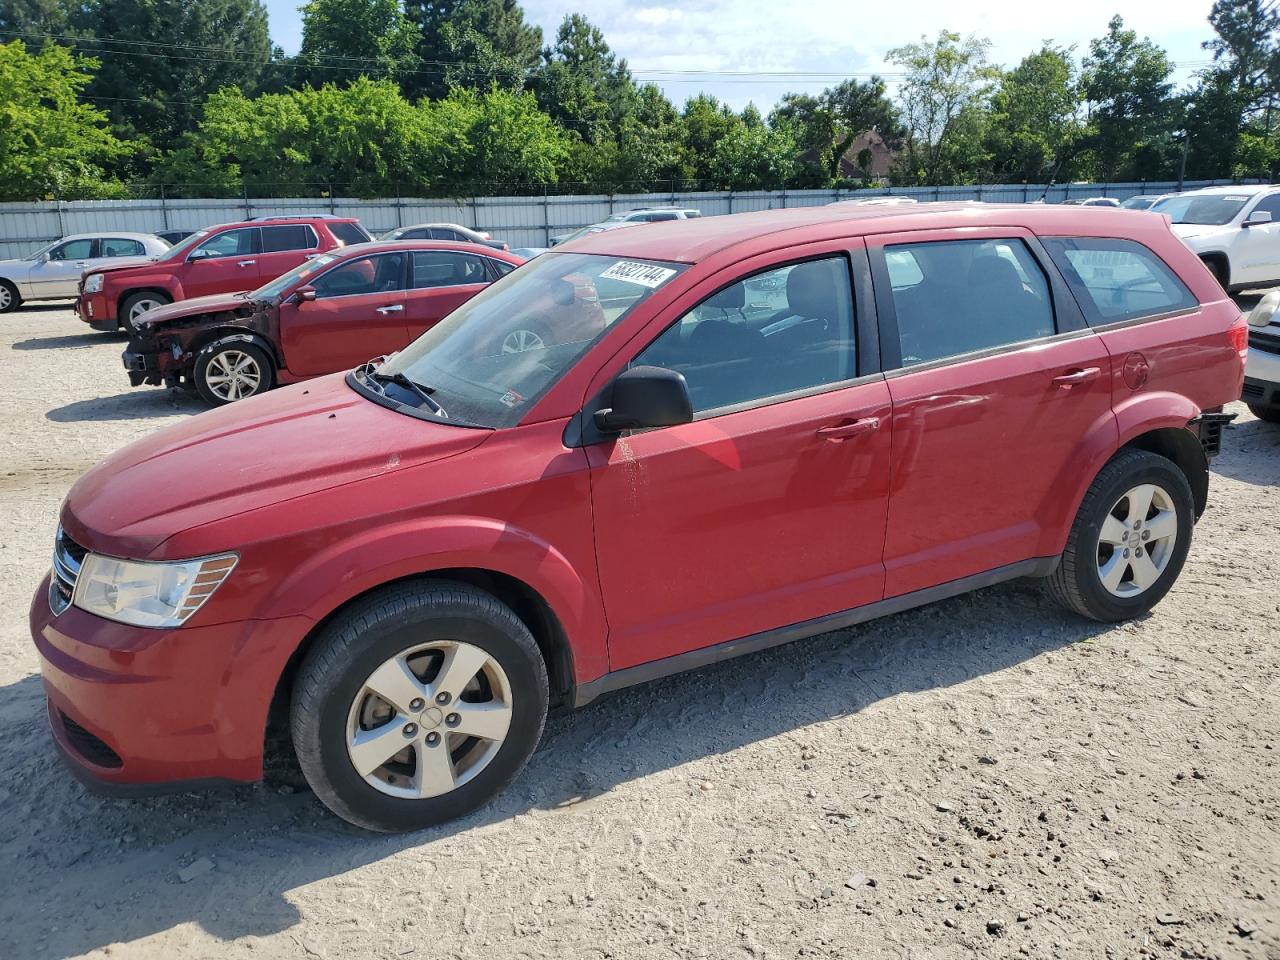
<point>1077,376</point>
<point>845,431</point>
<point>393,309</point>
<point>247,263</point>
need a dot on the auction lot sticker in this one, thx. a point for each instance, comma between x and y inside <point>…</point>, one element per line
<point>645,274</point>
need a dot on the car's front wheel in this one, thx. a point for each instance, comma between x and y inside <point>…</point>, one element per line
<point>232,371</point>
<point>1129,540</point>
<point>417,705</point>
<point>10,299</point>
<point>136,304</point>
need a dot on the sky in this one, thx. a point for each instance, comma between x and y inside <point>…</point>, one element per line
<point>809,45</point>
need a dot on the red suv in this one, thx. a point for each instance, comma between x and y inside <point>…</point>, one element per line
<point>329,313</point>
<point>222,259</point>
<point>788,422</point>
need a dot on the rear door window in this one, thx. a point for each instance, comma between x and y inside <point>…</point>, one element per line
<point>348,233</point>
<point>1117,280</point>
<point>439,268</point>
<point>121,247</point>
<point>294,236</point>
<point>955,297</point>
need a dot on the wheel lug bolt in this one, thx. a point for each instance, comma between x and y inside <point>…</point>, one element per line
<point>410,729</point>
<point>442,698</point>
<point>417,703</point>
<point>1138,551</point>
<point>453,720</point>
<point>1146,534</point>
<point>1126,553</point>
<point>433,739</point>
<point>1125,535</point>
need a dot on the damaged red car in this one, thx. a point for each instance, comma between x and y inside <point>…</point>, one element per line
<point>331,313</point>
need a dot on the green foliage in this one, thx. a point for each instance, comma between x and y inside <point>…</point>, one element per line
<point>753,156</point>
<point>343,38</point>
<point>50,143</point>
<point>471,43</point>
<point>1035,127</point>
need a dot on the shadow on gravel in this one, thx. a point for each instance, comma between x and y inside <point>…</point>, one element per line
<point>73,340</point>
<point>128,406</point>
<point>104,872</point>
<point>1250,454</point>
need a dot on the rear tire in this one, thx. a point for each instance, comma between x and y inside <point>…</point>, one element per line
<point>440,647</point>
<point>1122,557</point>
<point>10,299</point>
<point>232,371</point>
<point>136,304</point>
<point>1269,414</point>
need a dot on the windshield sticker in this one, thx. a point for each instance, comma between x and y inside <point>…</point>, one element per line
<point>644,274</point>
<point>511,399</point>
<point>1235,198</point>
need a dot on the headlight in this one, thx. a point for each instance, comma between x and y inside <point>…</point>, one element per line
<point>93,283</point>
<point>149,594</point>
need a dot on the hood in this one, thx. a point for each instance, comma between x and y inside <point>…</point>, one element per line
<point>1187,231</point>
<point>284,444</point>
<point>215,303</point>
<point>133,263</point>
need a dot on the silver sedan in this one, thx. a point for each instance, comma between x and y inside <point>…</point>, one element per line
<point>53,272</point>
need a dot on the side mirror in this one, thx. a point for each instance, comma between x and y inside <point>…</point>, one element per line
<point>198,254</point>
<point>1258,218</point>
<point>306,294</point>
<point>1265,309</point>
<point>44,258</point>
<point>646,397</point>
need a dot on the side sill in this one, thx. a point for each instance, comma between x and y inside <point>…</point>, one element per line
<point>642,673</point>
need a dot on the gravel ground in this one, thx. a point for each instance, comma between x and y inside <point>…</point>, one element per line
<point>985,776</point>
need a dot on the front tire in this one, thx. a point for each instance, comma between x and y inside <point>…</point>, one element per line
<point>1129,540</point>
<point>417,705</point>
<point>232,371</point>
<point>1218,267</point>
<point>10,299</point>
<point>1269,414</point>
<point>136,304</point>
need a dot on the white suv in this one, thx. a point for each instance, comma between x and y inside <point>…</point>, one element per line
<point>638,215</point>
<point>1262,372</point>
<point>1235,230</point>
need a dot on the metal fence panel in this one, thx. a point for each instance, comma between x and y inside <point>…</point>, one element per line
<point>527,221</point>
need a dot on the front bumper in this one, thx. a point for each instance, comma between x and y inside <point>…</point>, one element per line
<point>1262,378</point>
<point>136,710</point>
<point>156,366</point>
<point>95,310</point>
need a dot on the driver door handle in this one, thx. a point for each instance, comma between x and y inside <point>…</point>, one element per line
<point>392,309</point>
<point>845,431</point>
<point>247,263</point>
<point>1077,376</point>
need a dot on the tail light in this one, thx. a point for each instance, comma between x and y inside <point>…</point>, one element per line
<point>1238,335</point>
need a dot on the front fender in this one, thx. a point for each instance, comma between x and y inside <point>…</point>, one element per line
<point>347,568</point>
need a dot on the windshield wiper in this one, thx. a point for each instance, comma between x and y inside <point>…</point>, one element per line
<point>400,380</point>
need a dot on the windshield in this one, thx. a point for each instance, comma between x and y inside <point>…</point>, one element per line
<point>183,247</point>
<point>43,250</point>
<point>269,291</point>
<point>1138,203</point>
<point>493,358</point>
<point>1206,210</point>
<point>392,234</point>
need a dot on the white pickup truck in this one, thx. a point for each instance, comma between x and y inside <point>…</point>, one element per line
<point>1235,230</point>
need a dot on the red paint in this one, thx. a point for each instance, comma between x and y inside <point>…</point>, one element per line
<point>643,546</point>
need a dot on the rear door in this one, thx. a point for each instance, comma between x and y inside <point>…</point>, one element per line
<point>227,262</point>
<point>995,381</point>
<point>358,314</point>
<point>440,282</point>
<point>284,246</point>
<point>59,276</point>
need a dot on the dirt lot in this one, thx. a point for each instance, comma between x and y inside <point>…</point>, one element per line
<point>985,776</point>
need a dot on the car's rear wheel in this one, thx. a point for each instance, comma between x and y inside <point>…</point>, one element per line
<point>232,371</point>
<point>1129,540</point>
<point>1269,414</point>
<point>1218,267</point>
<point>10,300</point>
<point>418,705</point>
<point>136,304</point>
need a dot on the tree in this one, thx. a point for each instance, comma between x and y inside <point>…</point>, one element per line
<point>344,39</point>
<point>181,51</point>
<point>50,143</point>
<point>1133,117</point>
<point>1035,124</point>
<point>827,125</point>
<point>705,121</point>
<point>943,98</point>
<point>582,84</point>
<point>753,156</point>
<point>33,19</point>
<point>471,43</point>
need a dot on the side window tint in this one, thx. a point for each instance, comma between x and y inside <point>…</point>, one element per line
<point>294,236</point>
<point>438,268</point>
<point>1270,204</point>
<point>415,235</point>
<point>501,267</point>
<point>73,250</point>
<point>380,274</point>
<point>348,233</point>
<point>121,247</point>
<point>1117,280</point>
<point>772,334</point>
<point>233,243</point>
<point>955,297</point>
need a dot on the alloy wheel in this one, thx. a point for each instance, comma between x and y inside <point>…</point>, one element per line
<point>429,719</point>
<point>518,341</point>
<point>1137,540</point>
<point>139,308</point>
<point>6,298</point>
<point>233,375</point>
